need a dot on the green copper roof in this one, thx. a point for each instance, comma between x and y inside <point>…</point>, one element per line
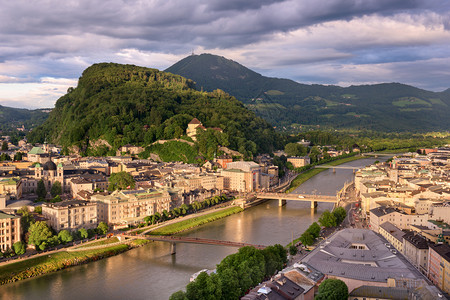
<point>36,150</point>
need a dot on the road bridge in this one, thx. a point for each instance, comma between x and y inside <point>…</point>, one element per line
<point>283,197</point>
<point>337,167</point>
<point>173,240</point>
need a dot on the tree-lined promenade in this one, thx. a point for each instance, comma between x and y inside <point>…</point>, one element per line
<point>50,261</point>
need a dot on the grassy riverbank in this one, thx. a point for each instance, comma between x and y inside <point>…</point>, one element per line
<point>100,243</point>
<point>57,261</point>
<point>195,222</point>
<point>301,178</point>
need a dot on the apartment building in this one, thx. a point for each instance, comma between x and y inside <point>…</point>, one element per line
<point>128,207</point>
<point>415,248</point>
<point>395,216</point>
<point>71,215</point>
<point>11,186</point>
<point>9,230</point>
<point>439,266</point>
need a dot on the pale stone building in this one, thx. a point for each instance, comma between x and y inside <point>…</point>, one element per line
<point>398,218</point>
<point>71,215</point>
<point>128,207</point>
<point>9,230</point>
<point>298,162</point>
<point>11,186</point>
<point>415,248</point>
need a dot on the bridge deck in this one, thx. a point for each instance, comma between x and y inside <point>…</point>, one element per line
<point>296,197</point>
<point>336,167</point>
<point>192,240</point>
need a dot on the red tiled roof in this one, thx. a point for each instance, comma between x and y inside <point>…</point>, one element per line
<point>195,121</point>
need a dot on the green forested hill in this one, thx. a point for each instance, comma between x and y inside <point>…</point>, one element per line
<point>13,117</point>
<point>384,107</point>
<point>125,104</point>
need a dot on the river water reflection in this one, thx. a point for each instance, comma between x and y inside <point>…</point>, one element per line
<point>150,272</point>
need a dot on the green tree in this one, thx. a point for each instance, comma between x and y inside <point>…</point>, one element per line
<point>327,219</point>
<point>4,156</point>
<point>340,214</point>
<point>64,236</point>
<point>82,233</point>
<point>38,233</point>
<point>120,181</point>
<point>40,190</point>
<point>19,248</point>
<point>295,149</point>
<point>293,250</point>
<point>307,239</point>
<point>26,219</point>
<point>314,229</point>
<point>102,228</point>
<point>180,295</point>
<point>56,189</point>
<point>204,287</point>
<point>314,154</point>
<point>18,156</point>
<point>5,146</point>
<point>38,209</point>
<point>332,289</point>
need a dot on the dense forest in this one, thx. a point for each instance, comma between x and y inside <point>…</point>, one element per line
<point>388,107</point>
<point>116,104</point>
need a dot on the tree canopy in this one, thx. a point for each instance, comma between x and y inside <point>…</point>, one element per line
<point>332,289</point>
<point>56,189</point>
<point>121,181</point>
<point>236,273</point>
<point>39,232</point>
<point>327,219</point>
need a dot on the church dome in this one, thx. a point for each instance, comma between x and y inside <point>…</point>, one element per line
<point>49,166</point>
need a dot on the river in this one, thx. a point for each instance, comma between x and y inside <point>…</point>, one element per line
<point>150,272</point>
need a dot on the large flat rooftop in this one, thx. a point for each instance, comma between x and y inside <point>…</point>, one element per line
<point>360,254</point>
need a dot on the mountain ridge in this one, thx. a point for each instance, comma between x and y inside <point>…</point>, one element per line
<point>127,104</point>
<point>383,106</point>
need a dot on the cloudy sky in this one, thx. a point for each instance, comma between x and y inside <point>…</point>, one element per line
<point>46,44</point>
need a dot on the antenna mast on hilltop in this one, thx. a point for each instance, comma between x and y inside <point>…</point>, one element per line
<point>192,53</point>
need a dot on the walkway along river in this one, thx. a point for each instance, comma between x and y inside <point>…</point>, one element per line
<point>151,272</point>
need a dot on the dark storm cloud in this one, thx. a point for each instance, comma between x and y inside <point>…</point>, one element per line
<point>298,39</point>
<point>207,23</point>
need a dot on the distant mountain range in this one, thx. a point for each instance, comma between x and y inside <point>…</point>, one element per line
<point>282,102</point>
<point>14,117</point>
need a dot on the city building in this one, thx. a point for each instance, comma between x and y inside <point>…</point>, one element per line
<point>439,266</point>
<point>131,206</point>
<point>360,257</point>
<point>10,230</point>
<point>415,249</point>
<point>242,176</point>
<point>298,162</point>
<point>11,186</point>
<point>277,288</point>
<point>393,235</point>
<point>195,124</point>
<point>401,218</point>
<point>71,215</point>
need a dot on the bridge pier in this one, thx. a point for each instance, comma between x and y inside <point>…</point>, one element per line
<point>313,204</point>
<point>281,202</point>
<point>173,248</point>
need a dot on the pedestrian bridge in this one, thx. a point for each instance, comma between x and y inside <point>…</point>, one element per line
<point>193,240</point>
<point>283,197</point>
